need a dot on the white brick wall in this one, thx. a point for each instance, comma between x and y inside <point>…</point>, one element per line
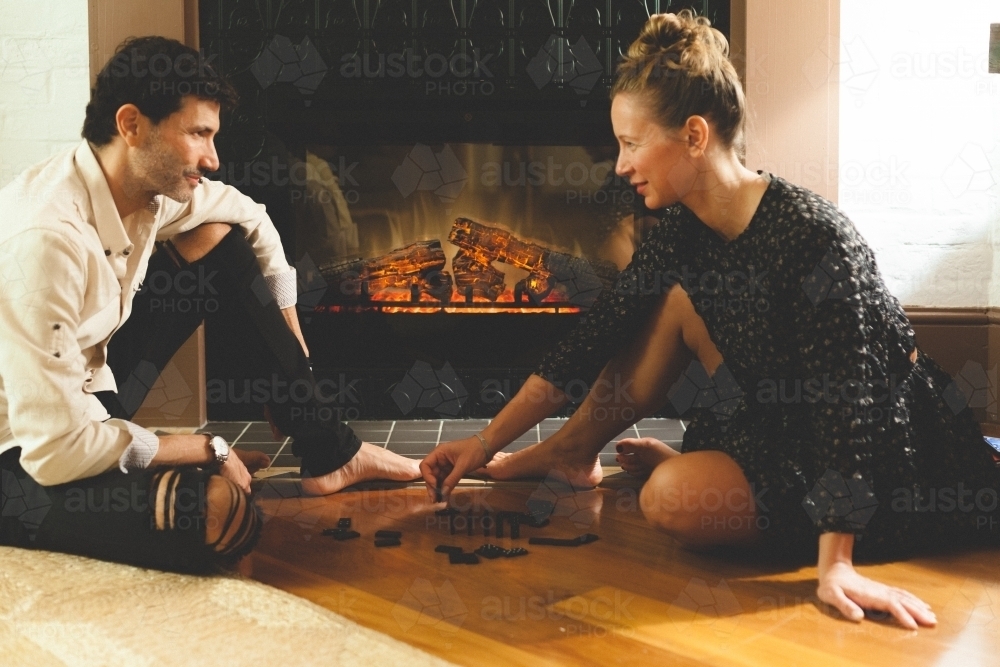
<point>920,146</point>
<point>44,80</point>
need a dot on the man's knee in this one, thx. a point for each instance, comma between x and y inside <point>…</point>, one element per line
<point>198,242</point>
<point>232,523</point>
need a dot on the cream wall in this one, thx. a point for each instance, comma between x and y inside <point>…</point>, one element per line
<point>44,85</point>
<point>919,152</point>
<point>786,51</point>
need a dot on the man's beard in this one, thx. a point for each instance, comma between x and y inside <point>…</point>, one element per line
<point>160,173</point>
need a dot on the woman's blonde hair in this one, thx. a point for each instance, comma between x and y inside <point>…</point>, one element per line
<point>680,65</point>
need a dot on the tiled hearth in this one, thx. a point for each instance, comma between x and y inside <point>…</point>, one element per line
<point>416,439</point>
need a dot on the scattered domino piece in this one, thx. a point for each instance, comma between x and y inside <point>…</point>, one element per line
<point>516,551</point>
<point>344,523</point>
<point>341,534</point>
<point>390,534</point>
<point>447,549</point>
<point>490,551</point>
<point>463,559</point>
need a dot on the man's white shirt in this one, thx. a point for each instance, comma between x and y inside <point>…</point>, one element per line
<point>69,268</point>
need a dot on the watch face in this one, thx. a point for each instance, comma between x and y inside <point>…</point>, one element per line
<point>221,448</point>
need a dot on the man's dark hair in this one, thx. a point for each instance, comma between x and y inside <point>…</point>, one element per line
<point>154,74</point>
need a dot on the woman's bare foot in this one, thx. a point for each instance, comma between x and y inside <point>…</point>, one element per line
<point>369,463</point>
<point>542,459</point>
<point>638,456</point>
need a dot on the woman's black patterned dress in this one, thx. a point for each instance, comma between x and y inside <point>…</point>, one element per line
<point>817,399</point>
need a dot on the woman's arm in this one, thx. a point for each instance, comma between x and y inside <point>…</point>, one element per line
<point>842,587</point>
<point>446,465</point>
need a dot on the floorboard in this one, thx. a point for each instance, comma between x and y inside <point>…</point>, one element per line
<point>632,597</point>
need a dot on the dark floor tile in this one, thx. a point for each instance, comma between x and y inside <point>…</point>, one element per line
<point>627,433</point>
<point>466,424</point>
<point>228,430</point>
<point>385,424</point>
<point>258,432</point>
<point>285,461</point>
<point>412,448</point>
<point>661,425</point>
<point>409,426</point>
<point>414,436</point>
<point>269,448</point>
<point>371,434</point>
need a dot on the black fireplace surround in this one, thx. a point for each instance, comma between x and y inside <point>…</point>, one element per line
<point>366,126</point>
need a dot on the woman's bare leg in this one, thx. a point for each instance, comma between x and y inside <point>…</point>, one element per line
<point>633,385</point>
<point>701,499</point>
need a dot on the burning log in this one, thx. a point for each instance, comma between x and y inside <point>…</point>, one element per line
<point>577,279</point>
<point>471,273</point>
<point>418,270</point>
<point>419,265</point>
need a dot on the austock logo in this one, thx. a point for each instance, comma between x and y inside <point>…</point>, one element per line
<point>285,499</point>
<point>849,499</point>
<point>424,387</point>
<point>556,497</point>
<point>566,64</point>
<point>23,499</point>
<point>971,172</point>
<point>721,394</point>
<point>972,387</point>
<point>167,392</point>
<point>714,606</point>
<point>424,604</point>
<point>831,279</point>
<point>284,62</point>
<point>457,74</point>
<point>425,170</point>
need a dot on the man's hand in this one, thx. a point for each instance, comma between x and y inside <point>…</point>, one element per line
<point>444,467</point>
<point>237,473</point>
<point>842,587</point>
<point>253,461</point>
<point>292,318</point>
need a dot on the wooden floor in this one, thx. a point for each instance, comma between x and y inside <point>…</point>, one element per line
<point>633,597</point>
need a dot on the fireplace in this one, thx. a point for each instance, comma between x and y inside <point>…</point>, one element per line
<point>442,175</point>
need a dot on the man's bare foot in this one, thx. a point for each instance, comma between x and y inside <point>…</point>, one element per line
<point>542,459</point>
<point>369,463</point>
<point>638,456</point>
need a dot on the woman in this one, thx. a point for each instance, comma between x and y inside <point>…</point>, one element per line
<point>823,430</point>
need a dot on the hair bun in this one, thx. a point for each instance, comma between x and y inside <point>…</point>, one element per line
<point>680,41</point>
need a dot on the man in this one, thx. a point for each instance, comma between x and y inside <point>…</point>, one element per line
<point>81,341</point>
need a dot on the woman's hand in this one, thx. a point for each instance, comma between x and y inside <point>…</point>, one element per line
<point>841,586</point>
<point>448,463</point>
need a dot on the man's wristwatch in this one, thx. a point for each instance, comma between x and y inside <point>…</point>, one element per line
<point>219,447</point>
